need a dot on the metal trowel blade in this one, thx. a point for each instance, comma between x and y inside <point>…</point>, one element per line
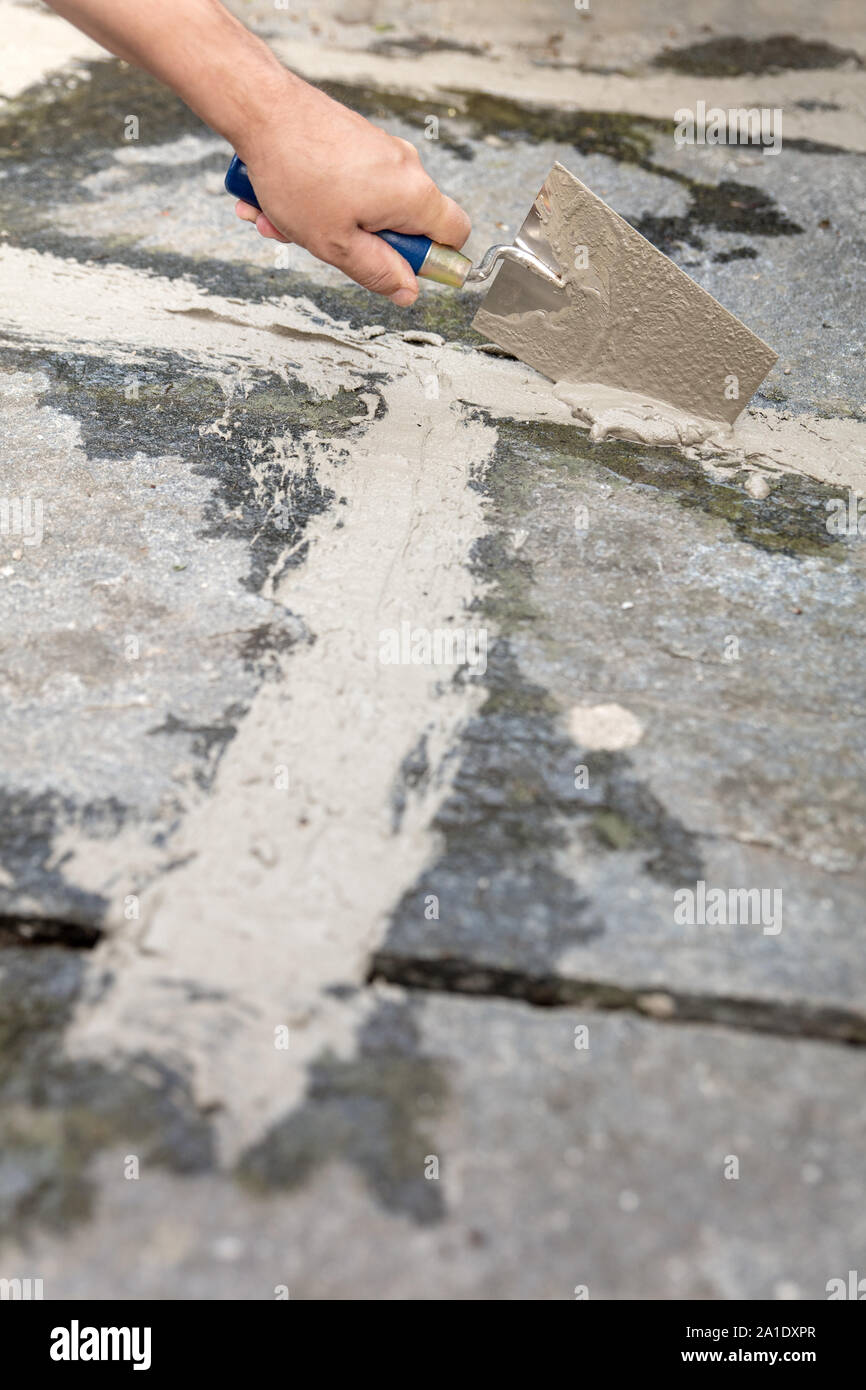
<point>627,316</point>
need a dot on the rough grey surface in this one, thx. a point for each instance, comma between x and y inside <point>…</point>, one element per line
<point>491,1149</point>
<point>689,604</point>
<point>225,825</point>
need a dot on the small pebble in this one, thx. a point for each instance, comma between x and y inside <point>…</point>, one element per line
<point>757,486</point>
<point>227,1248</point>
<point>657,1005</point>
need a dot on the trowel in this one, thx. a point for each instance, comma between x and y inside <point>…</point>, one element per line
<point>581,296</point>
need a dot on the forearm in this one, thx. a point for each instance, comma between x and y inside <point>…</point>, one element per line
<point>324,177</point>
<point>228,76</point>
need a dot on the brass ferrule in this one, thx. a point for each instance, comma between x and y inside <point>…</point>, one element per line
<point>445,265</point>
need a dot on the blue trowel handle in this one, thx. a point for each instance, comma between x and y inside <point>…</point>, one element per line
<point>445,264</point>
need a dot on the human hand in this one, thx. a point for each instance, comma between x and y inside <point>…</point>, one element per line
<point>328,179</point>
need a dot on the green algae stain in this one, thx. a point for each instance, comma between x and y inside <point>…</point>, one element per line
<point>791,521</point>
<point>622,137</point>
<point>627,139</point>
<point>731,55</point>
<point>614,830</point>
<point>82,116</point>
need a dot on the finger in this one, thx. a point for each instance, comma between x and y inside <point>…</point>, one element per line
<point>372,263</point>
<point>266,228</point>
<point>429,212</point>
<point>452,225</point>
<point>445,220</point>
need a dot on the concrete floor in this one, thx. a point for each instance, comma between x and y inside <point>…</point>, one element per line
<point>339,977</point>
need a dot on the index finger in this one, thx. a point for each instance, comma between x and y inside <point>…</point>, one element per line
<point>432,213</point>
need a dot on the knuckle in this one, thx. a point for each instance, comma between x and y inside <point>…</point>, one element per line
<point>406,148</point>
<point>407,158</point>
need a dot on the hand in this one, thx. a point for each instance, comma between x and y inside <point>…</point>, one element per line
<point>328,179</point>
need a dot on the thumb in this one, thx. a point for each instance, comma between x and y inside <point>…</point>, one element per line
<point>371,262</point>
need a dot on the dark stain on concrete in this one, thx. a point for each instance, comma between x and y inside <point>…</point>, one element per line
<point>513,802</point>
<point>207,742</point>
<point>80,118</point>
<point>376,1112</point>
<point>412,777</point>
<point>731,55</point>
<point>620,136</point>
<point>57,1114</point>
<point>420,44</point>
<point>813,104</point>
<point>160,408</point>
<point>512,805</point>
<point>263,647</point>
<point>29,828</point>
<point>726,207</point>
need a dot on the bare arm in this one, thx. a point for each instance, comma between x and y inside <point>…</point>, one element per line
<point>326,177</point>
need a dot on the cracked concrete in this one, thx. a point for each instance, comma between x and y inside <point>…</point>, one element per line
<point>247,866</point>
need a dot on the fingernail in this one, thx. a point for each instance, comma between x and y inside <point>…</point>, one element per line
<point>404,298</point>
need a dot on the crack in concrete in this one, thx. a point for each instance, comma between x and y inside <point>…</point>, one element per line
<point>48,931</point>
<point>455,975</point>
